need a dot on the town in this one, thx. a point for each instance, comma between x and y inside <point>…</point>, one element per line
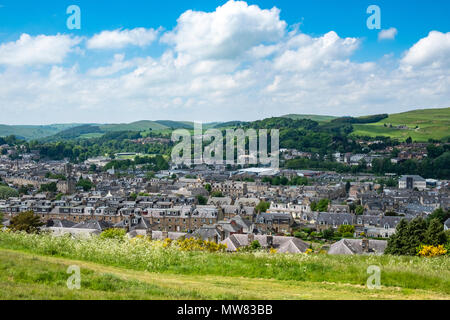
<point>284,209</point>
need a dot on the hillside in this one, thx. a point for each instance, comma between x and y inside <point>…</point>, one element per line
<point>34,132</point>
<point>309,117</point>
<point>420,125</point>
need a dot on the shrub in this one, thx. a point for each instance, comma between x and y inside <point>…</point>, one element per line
<point>431,251</point>
<point>118,234</point>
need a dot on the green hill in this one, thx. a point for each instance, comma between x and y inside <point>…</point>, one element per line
<point>309,117</point>
<point>34,132</point>
<point>420,125</point>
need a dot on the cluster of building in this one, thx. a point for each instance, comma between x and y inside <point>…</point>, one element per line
<point>169,205</point>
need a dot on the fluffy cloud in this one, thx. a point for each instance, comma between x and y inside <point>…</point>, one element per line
<point>311,52</point>
<point>118,39</point>
<point>42,49</point>
<point>432,51</point>
<point>388,34</point>
<point>206,74</point>
<point>227,32</point>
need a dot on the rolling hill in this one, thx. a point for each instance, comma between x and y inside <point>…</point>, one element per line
<point>420,125</point>
<point>309,117</point>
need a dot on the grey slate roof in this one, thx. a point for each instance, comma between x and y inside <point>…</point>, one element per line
<point>354,246</point>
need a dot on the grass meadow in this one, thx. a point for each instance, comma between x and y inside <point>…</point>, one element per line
<point>34,267</point>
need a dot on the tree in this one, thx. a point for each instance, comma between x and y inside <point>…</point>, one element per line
<point>328,234</point>
<point>346,229</point>
<point>397,243</point>
<point>86,184</point>
<point>359,210</point>
<point>321,206</point>
<point>439,214</point>
<point>208,187</point>
<point>217,194</point>
<point>435,234</point>
<point>7,192</point>
<point>255,245</point>
<point>201,200</point>
<point>49,187</point>
<point>26,221</point>
<point>407,238</point>
<point>262,207</point>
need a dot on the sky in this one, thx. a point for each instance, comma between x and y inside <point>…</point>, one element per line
<point>208,60</point>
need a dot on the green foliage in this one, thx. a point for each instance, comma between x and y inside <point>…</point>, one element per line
<point>328,234</point>
<point>118,234</point>
<point>439,214</point>
<point>410,236</point>
<point>217,194</point>
<point>283,181</point>
<point>202,200</point>
<point>7,192</point>
<point>321,206</point>
<point>26,221</point>
<point>346,229</point>
<point>263,206</point>
<point>359,210</point>
<point>86,184</point>
<point>56,176</point>
<point>435,234</point>
<point>49,187</point>
<point>208,187</point>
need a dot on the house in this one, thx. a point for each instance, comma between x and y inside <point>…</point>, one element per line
<point>281,244</point>
<point>358,246</point>
<point>412,182</point>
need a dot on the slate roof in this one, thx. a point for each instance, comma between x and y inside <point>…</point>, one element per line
<point>354,246</point>
<point>94,225</point>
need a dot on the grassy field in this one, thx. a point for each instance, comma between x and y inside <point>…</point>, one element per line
<point>30,276</point>
<point>34,267</point>
<point>422,125</point>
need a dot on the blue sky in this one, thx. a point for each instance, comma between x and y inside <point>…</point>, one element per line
<point>386,60</point>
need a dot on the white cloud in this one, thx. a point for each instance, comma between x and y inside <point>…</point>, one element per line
<point>42,49</point>
<point>388,34</point>
<point>311,52</point>
<point>205,75</point>
<point>432,51</point>
<point>227,32</point>
<point>118,39</point>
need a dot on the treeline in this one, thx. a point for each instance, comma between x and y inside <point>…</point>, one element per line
<point>283,181</point>
<point>437,168</point>
<point>109,144</point>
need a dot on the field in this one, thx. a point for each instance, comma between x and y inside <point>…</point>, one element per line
<point>422,125</point>
<point>34,267</point>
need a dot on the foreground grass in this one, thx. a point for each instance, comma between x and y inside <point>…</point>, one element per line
<point>201,275</point>
<point>29,276</point>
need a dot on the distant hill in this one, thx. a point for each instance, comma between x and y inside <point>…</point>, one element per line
<point>420,125</point>
<point>309,117</point>
<point>34,132</point>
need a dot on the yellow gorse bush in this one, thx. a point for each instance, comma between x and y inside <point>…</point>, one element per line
<point>431,251</point>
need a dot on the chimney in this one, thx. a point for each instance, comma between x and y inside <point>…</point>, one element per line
<point>365,245</point>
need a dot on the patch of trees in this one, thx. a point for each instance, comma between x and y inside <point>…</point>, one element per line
<point>49,187</point>
<point>26,221</point>
<point>409,236</point>
<point>283,181</point>
<point>7,192</point>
